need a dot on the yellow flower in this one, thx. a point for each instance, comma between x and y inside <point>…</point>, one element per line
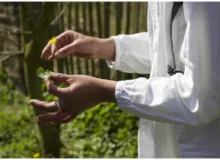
<point>70,152</point>
<point>36,155</point>
<point>53,40</point>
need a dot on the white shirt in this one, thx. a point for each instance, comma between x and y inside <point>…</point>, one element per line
<point>179,113</point>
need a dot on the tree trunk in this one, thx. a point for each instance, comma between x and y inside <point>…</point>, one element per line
<point>49,133</point>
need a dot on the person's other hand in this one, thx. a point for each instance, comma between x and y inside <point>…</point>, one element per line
<point>71,43</point>
<point>82,93</point>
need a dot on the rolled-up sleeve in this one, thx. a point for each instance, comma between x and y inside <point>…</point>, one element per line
<point>132,53</point>
<point>190,98</point>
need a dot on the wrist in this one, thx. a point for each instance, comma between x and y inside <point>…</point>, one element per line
<point>106,90</point>
<point>106,49</point>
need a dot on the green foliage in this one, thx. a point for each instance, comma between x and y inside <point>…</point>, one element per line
<point>8,93</point>
<point>18,137</point>
<point>101,132</point>
<point>17,122</point>
<point>43,74</point>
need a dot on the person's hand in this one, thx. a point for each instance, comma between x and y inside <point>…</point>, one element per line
<point>82,93</point>
<point>71,43</point>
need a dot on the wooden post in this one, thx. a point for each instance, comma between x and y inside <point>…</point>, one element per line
<point>33,46</point>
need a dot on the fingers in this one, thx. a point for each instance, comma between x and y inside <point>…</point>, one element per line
<point>46,52</point>
<point>62,40</point>
<point>60,78</point>
<point>65,51</point>
<point>55,90</point>
<point>61,116</point>
<point>49,107</point>
<point>57,78</point>
<point>65,120</point>
<point>58,116</point>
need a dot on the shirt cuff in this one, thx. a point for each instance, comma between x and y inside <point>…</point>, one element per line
<point>131,92</point>
<point>125,94</point>
<point>118,54</point>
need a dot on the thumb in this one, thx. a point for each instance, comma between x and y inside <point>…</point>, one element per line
<point>55,90</point>
<point>60,78</point>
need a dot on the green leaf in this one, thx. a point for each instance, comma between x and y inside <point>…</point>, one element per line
<point>42,74</point>
<point>48,73</point>
<point>40,70</point>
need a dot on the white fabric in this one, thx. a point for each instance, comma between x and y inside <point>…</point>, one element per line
<point>191,98</point>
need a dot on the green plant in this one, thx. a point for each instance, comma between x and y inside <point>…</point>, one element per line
<point>101,132</point>
<point>104,131</point>
<point>43,74</point>
<point>18,138</point>
<point>8,93</point>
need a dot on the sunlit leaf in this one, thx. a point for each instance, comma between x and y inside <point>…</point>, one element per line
<point>40,70</point>
<point>43,74</point>
<point>48,73</point>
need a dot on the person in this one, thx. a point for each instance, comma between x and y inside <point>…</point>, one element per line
<point>178,106</point>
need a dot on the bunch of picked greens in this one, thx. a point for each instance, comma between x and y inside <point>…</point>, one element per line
<point>43,74</point>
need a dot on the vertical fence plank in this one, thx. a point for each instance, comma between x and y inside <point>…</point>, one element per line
<point>136,22</point>
<point>84,7</point>
<point>118,17</point>
<point>107,6</point>
<point>128,27</point>
<point>91,32</point>
<point>77,29</point>
<point>99,18</point>
<point>69,22</point>
<point>137,16</point>
<point>62,29</point>
<point>60,62</point>
<point>128,20</point>
<point>143,25</point>
<point>99,24</point>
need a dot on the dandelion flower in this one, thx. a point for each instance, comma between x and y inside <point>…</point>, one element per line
<point>70,152</point>
<point>36,155</point>
<point>53,40</point>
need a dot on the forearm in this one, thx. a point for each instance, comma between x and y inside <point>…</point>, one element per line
<point>106,49</point>
<point>105,90</point>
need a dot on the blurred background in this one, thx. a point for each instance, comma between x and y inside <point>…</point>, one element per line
<point>101,132</point>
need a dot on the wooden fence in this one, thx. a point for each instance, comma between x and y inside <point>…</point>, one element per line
<point>100,19</point>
